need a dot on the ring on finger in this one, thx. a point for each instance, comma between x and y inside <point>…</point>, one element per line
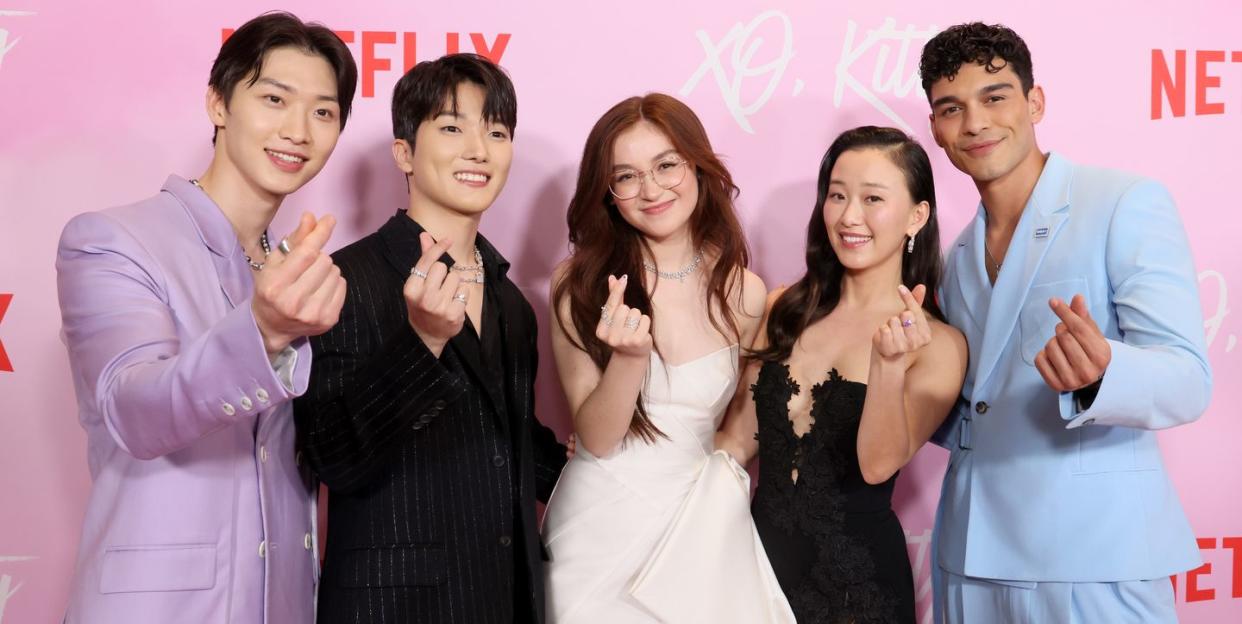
<point>631,322</point>
<point>605,316</point>
<point>907,322</point>
<point>284,246</point>
<point>461,296</point>
<point>417,273</point>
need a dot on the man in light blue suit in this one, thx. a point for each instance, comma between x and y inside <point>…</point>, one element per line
<point>1076,290</point>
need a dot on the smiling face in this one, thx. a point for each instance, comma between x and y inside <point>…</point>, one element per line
<point>278,132</point>
<point>984,122</point>
<point>868,211</point>
<point>658,212</point>
<point>459,161</point>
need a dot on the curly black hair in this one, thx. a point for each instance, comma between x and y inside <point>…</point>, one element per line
<point>994,47</point>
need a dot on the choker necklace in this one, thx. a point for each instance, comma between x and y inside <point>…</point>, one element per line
<point>476,268</point>
<point>677,275</point>
<point>267,248</point>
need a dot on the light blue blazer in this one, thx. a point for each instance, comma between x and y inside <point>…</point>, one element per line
<point>1037,490</point>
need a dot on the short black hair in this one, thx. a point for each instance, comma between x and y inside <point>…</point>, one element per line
<point>241,56</point>
<point>979,43</point>
<point>423,91</point>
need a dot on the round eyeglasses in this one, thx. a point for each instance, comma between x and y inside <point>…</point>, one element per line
<point>628,183</point>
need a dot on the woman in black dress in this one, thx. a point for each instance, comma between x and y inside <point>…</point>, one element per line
<point>854,373</point>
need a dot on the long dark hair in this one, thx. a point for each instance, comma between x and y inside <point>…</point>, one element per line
<point>605,244</point>
<point>817,293</point>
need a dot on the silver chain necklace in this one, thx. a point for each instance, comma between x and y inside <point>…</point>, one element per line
<point>476,268</point>
<point>677,275</point>
<point>267,248</point>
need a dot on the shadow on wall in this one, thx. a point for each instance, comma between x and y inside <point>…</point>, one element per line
<point>778,236</point>
<point>527,225</point>
<point>376,187</point>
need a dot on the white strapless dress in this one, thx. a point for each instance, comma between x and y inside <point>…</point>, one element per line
<point>662,532</point>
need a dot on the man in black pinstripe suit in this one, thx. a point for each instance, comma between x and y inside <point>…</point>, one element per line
<point>420,412</point>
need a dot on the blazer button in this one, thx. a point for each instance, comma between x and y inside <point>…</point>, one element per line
<point>506,541</point>
<point>306,541</point>
<point>498,461</point>
<point>418,425</point>
<point>981,407</point>
<point>439,404</point>
<point>263,549</point>
<point>425,418</point>
<point>228,409</point>
<point>261,395</point>
<point>246,403</point>
<point>297,459</point>
<point>263,454</point>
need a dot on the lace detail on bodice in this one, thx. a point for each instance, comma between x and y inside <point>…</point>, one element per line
<point>840,586</point>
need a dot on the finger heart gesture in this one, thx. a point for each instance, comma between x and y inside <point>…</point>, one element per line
<point>626,330</point>
<point>907,332</point>
<point>435,302</point>
<point>1077,355</point>
<point>300,291</point>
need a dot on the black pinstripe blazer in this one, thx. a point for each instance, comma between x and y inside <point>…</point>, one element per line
<point>432,471</point>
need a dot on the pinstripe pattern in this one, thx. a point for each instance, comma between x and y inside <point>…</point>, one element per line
<point>428,510</point>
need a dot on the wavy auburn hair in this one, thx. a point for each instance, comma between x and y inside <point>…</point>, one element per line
<point>818,292</point>
<point>604,244</point>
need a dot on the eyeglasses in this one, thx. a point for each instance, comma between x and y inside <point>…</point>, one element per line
<point>627,183</point>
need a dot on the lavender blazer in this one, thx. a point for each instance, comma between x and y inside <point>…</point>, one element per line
<point>198,510</point>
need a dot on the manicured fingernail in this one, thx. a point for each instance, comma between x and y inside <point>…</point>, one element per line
<point>625,277</point>
<point>902,288</point>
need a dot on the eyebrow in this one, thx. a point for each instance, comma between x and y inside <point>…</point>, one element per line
<point>288,89</point>
<point>657,157</point>
<point>866,184</point>
<point>992,88</point>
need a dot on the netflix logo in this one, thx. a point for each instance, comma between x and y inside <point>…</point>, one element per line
<point>1170,84</point>
<point>6,366</point>
<point>375,50</point>
<point>1213,582</point>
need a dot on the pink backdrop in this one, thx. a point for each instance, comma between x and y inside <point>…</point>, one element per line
<point>100,101</point>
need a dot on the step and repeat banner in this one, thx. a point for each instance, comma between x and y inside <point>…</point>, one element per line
<point>100,101</point>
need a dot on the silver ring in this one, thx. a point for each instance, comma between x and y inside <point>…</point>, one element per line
<point>284,246</point>
<point>907,322</point>
<point>631,323</point>
<point>416,273</point>
<point>461,296</point>
<point>605,316</point>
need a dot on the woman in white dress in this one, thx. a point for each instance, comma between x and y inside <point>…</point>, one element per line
<point>646,523</point>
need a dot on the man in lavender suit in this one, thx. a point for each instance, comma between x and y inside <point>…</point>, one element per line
<point>187,341</point>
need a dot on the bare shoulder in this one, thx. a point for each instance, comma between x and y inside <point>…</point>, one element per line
<point>754,293</point>
<point>772,297</point>
<point>559,271</point>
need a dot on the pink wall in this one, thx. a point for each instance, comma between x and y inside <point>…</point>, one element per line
<point>99,103</point>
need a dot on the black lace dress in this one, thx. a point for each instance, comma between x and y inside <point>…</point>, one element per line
<point>834,542</point>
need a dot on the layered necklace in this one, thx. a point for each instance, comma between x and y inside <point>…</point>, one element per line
<point>267,248</point>
<point>679,275</point>
<point>476,268</point>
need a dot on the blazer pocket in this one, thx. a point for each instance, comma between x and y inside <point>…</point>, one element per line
<point>401,565</point>
<point>158,567</point>
<point>1037,321</point>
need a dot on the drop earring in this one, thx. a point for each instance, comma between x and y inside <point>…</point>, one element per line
<point>910,245</point>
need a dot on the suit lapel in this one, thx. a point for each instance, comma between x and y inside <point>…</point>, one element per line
<point>971,277</point>
<point>235,279</point>
<point>1041,220</point>
<point>217,233</point>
